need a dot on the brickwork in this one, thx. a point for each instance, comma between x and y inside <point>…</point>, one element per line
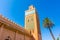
<point>6,34</point>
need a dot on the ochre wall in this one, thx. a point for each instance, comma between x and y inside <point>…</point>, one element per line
<point>29,22</point>
<point>19,36</point>
<point>5,33</point>
<point>27,38</point>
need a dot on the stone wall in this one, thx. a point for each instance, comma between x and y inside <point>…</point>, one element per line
<point>7,34</point>
<point>11,35</point>
<point>0,30</point>
<point>19,36</point>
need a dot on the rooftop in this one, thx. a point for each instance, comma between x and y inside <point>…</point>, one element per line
<point>13,26</point>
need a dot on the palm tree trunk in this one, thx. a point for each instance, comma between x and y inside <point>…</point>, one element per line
<point>51,33</point>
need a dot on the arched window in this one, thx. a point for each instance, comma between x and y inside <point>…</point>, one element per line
<point>8,38</point>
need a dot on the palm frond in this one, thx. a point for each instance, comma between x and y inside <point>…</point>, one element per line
<point>47,22</point>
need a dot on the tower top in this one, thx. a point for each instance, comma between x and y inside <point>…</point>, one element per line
<point>31,7</point>
<point>31,10</point>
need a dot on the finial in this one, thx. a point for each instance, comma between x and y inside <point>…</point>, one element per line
<point>31,7</point>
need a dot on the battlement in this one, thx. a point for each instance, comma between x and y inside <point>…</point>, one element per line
<point>31,10</point>
<point>13,25</point>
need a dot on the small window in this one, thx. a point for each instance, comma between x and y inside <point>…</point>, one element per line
<point>8,36</point>
<point>28,20</point>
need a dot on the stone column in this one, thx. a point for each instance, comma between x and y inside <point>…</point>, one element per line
<point>15,35</point>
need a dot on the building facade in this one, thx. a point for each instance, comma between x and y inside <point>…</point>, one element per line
<point>11,31</point>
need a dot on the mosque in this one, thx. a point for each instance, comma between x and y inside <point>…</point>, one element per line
<point>31,31</point>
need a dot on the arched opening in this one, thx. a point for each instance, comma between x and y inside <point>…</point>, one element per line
<point>8,38</point>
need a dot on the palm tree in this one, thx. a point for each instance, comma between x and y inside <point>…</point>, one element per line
<point>48,24</point>
<point>58,38</point>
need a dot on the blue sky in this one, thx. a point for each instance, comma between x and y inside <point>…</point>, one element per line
<point>15,11</point>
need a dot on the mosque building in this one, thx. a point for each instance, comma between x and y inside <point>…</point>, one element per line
<point>31,31</point>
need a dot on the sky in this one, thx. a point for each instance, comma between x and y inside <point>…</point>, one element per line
<point>15,10</point>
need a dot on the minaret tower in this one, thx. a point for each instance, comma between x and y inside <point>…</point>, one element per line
<point>32,23</point>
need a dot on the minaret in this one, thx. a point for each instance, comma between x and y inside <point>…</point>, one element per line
<point>32,23</point>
